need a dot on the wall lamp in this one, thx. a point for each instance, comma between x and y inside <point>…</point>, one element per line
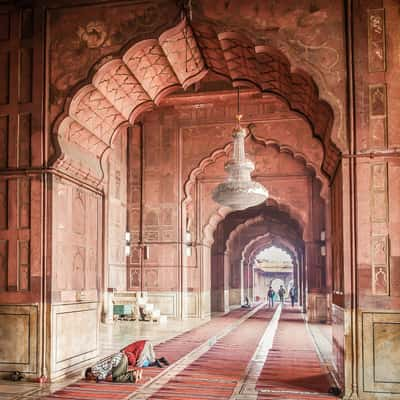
<point>127,244</point>
<point>322,240</point>
<point>188,244</point>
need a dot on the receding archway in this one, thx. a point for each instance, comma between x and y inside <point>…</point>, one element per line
<point>120,88</point>
<point>235,238</point>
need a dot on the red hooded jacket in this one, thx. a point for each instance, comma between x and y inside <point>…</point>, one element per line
<point>133,351</point>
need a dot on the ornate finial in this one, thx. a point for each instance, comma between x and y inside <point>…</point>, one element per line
<point>238,119</point>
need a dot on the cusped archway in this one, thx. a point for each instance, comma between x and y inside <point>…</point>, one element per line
<point>260,243</point>
<point>120,88</point>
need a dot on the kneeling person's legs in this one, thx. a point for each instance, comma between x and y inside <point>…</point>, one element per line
<point>120,370</point>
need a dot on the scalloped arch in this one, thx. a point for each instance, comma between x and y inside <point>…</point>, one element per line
<point>120,88</point>
<point>224,151</point>
<point>259,219</point>
<point>263,241</point>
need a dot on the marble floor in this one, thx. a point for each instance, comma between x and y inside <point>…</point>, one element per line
<point>112,338</point>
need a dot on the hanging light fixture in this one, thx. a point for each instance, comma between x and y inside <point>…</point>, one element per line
<point>239,191</point>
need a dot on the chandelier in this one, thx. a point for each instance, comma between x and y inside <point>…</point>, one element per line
<point>239,191</point>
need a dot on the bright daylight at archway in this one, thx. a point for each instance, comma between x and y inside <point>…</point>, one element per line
<point>273,267</point>
<point>199,199</point>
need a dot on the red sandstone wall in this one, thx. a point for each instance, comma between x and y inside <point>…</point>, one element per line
<point>116,194</point>
<point>377,188</point>
<point>22,188</point>
<point>177,143</point>
<point>77,243</point>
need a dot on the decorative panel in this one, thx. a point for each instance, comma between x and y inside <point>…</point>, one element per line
<point>78,212</point>
<point>3,204</point>
<point>381,352</point>
<point>24,139</point>
<point>18,338</point>
<point>77,238</point>
<point>4,130</point>
<point>21,87</point>
<point>376,40</point>
<point>5,74</point>
<point>25,78</point>
<point>78,267</point>
<point>380,257</point>
<point>4,26</point>
<point>68,348</point>
<point>386,347</point>
<point>380,251</point>
<point>164,301</point>
<point>26,23</point>
<point>23,265</point>
<point>3,264</point>
<point>151,279</point>
<point>379,198</point>
<point>23,198</point>
<point>378,116</point>
<point>133,278</point>
<point>191,305</point>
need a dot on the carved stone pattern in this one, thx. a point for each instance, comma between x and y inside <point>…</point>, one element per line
<point>24,203</point>
<point>381,280</point>
<point>151,278</point>
<point>72,131</point>
<point>78,212</point>
<point>120,87</point>
<point>380,254</point>
<point>3,204</point>
<point>151,236</point>
<point>376,40</point>
<point>4,132</point>
<point>378,116</point>
<point>100,111</point>
<point>379,195</point>
<point>93,111</point>
<point>211,48</point>
<point>3,264</point>
<point>183,54</point>
<point>379,176</point>
<point>380,243</point>
<point>134,278</point>
<point>240,57</point>
<point>151,67</point>
<point>23,265</point>
<point>78,268</point>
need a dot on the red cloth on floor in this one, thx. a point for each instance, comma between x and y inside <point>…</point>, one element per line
<point>133,351</point>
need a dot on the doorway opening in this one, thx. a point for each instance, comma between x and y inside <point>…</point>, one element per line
<point>273,267</point>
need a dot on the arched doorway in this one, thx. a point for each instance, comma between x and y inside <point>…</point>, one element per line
<point>289,128</point>
<point>273,267</point>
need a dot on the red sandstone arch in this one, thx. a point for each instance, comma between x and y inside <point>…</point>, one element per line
<point>259,243</point>
<point>222,212</point>
<point>223,152</point>
<point>121,88</point>
<point>264,241</point>
<point>260,223</point>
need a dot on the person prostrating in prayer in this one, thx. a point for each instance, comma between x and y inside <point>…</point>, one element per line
<point>114,366</point>
<point>142,354</point>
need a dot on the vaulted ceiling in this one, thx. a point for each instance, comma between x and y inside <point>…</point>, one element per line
<point>120,88</point>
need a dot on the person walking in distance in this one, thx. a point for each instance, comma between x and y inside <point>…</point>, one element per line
<point>281,293</point>
<point>292,294</point>
<point>271,295</point>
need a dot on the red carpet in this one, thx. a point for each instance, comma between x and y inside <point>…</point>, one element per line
<point>216,373</point>
<point>292,364</point>
<point>292,370</point>
<point>172,349</point>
